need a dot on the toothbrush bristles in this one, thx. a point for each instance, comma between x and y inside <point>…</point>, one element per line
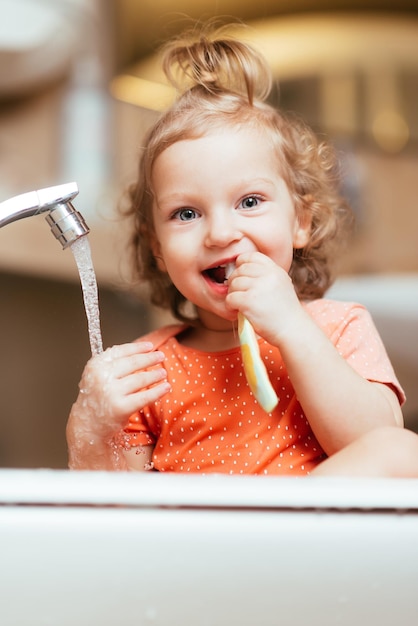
<point>229,268</point>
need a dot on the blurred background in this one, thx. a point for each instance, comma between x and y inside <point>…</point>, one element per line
<point>79,86</point>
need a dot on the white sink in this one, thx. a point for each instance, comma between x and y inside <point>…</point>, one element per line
<point>93,548</point>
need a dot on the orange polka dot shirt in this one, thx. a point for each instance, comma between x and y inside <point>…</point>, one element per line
<point>210,421</point>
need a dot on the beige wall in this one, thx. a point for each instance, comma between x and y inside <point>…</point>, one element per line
<point>387,223</point>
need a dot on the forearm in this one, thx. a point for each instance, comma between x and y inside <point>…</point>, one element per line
<point>339,403</point>
<point>90,449</point>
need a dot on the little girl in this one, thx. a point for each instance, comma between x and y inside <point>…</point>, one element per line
<point>227,181</point>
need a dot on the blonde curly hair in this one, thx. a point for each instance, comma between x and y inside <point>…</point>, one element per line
<point>225,82</point>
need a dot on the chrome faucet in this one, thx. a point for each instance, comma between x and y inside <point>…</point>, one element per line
<point>65,222</point>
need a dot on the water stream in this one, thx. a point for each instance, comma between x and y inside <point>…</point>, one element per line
<point>82,255</point>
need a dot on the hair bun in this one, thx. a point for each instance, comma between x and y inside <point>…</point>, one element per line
<point>216,64</point>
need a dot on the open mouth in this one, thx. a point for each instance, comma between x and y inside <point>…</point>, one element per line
<point>216,274</point>
<point>220,273</point>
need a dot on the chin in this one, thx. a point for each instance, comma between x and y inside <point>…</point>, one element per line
<point>228,316</point>
<point>217,319</point>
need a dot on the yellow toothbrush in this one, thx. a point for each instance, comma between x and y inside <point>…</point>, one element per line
<point>254,368</point>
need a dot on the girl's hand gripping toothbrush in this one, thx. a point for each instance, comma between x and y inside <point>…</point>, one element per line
<point>254,368</point>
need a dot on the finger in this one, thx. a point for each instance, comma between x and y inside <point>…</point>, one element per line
<point>140,399</point>
<point>249,257</point>
<point>150,395</point>
<point>127,349</point>
<point>240,283</point>
<point>129,365</point>
<point>142,380</point>
<point>125,358</point>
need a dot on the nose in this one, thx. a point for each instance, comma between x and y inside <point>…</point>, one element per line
<point>221,229</point>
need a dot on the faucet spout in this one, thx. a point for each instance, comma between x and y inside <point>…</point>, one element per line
<point>66,223</point>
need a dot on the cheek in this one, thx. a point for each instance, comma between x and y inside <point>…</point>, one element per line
<point>278,244</point>
<point>172,260</point>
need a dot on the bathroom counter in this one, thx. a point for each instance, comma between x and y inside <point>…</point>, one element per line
<point>188,550</point>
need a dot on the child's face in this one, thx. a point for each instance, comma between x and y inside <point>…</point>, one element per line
<point>215,198</point>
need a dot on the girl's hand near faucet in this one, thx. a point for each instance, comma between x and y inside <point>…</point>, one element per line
<point>114,384</point>
<point>121,380</point>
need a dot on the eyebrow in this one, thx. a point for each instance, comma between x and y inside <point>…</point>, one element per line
<point>176,198</point>
<point>185,198</point>
<point>259,180</point>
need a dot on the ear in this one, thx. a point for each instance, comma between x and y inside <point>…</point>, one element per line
<point>157,254</point>
<point>303,223</point>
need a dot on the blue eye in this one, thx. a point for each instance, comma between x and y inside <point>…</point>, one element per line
<point>186,215</point>
<point>250,202</point>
